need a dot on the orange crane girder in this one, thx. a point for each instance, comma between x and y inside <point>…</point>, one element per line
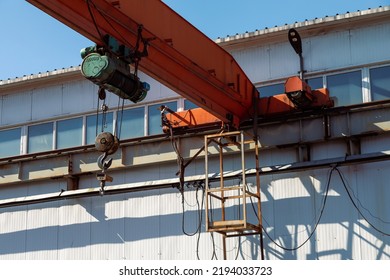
<point>179,55</point>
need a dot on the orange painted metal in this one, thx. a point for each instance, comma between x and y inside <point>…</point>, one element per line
<point>293,84</point>
<point>189,119</point>
<point>276,104</point>
<point>179,55</point>
<point>281,103</point>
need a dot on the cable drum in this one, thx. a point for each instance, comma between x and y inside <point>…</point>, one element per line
<point>107,143</point>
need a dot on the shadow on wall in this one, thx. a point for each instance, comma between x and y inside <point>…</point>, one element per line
<point>288,221</point>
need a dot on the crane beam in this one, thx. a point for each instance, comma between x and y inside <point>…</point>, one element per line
<point>179,55</point>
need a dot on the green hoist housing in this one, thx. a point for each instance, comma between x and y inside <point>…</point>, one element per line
<point>113,74</point>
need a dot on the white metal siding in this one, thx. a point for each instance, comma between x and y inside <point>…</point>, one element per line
<point>74,232</point>
<point>20,103</point>
<point>147,225</point>
<point>46,103</point>
<point>370,44</point>
<point>328,51</point>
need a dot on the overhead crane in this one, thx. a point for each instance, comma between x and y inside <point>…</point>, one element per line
<point>151,37</point>
<point>175,53</point>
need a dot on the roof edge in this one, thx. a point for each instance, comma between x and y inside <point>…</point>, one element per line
<point>307,24</point>
<point>35,80</point>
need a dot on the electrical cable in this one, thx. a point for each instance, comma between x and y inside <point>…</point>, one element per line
<point>200,214</point>
<point>214,255</point>
<point>322,209</point>
<point>108,22</point>
<point>316,224</point>
<point>361,205</point>
<point>137,55</point>
<point>95,23</point>
<point>355,205</point>
<point>180,162</point>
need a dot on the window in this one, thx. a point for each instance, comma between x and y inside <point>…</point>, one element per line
<point>69,133</point>
<point>345,89</point>
<point>270,90</point>
<point>154,117</point>
<point>380,83</point>
<point>131,123</point>
<point>315,83</point>
<point>189,105</point>
<point>40,137</point>
<point>10,142</point>
<point>103,125</point>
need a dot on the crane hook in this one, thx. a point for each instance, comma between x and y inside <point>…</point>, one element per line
<point>108,144</point>
<point>103,163</point>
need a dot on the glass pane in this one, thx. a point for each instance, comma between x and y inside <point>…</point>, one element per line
<point>380,83</point>
<point>93,131</point>
<point>315,83</point>
<point>40,137</point>
<point>154,117</point>
<point>271,90</point>
<point>10,142</point>
<point>132,123</point>
<point>189,105</point>
<point>69,133</point>
<point>345,89</point>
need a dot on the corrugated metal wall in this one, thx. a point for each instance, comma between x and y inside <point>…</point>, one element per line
<point>328,51</point>
<point>148,224</point>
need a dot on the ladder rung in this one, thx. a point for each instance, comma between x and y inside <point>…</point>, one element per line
<point>227,223</point>
<point>225,189</point>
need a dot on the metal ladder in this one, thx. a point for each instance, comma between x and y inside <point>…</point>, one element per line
<point>229,197</point>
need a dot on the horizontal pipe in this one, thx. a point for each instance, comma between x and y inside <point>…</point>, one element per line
<point>171,183</point>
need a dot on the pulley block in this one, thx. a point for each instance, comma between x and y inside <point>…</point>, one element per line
<point>106,143</point>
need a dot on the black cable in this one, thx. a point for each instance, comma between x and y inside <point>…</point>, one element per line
<point>316,224</point>
<point>355,205</point>
<point>109,23</point>
<point>214,255</point>
<point>200,214</point>
<point>136,53</point>
<point>95,23</point>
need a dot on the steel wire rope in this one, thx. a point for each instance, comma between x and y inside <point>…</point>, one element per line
<point>118,127</point>
<point>117,130</point>
<point>97,117</point>
<point>107,48</point>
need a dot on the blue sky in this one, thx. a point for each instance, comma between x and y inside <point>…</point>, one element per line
<point>33,42</point>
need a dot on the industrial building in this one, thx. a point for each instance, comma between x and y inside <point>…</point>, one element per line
<point>323,172</point>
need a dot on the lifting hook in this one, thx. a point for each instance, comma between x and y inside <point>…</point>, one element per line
<point>108,144</point>
<point>103,163</point>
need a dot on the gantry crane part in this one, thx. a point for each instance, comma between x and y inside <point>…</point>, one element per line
<point>179,55</point>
